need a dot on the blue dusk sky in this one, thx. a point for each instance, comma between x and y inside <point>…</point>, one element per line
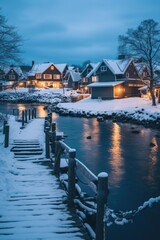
<point>73,31</point>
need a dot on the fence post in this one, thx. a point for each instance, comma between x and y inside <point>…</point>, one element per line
<point>22,118</point>
<point>57,162</point>
<point>25,113</point>
<point>101,202</point>
<point>47,147</point>
<point>71,177</point>
<point>6,139</point>
<point>35,112</point>
<point>4,124</point>
<point>53,129</point>
<point>32,113</point>
<point>29,114</point>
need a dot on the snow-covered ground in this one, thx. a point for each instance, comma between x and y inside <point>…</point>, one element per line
<point>135,108</point>
<point>110,106</point>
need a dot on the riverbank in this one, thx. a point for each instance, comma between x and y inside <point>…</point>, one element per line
<point>131,110</point>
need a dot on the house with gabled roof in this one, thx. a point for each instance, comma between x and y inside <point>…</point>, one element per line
<point>84,75</point>
<point>12,77</point>
<point>74,79</point>
<point>45,75</point>
<point>120,78</point>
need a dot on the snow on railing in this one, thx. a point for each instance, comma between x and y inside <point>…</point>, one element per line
<point>121,218</point>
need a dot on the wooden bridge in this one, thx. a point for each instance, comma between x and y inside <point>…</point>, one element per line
<point>36,206</point>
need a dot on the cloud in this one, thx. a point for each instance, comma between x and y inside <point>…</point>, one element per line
<point>75,30</point>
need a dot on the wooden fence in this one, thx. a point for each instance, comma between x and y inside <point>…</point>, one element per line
<point>91,209</point>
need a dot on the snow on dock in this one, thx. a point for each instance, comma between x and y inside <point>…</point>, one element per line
<point>33,206</point>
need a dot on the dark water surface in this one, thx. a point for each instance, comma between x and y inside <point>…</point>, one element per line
<point>132,160</point>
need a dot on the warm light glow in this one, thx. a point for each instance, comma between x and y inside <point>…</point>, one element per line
<point>54,85</point>
<point>52,67</point>
<point>119,89</point>
<point>116,155</point>
<point>85,88</point>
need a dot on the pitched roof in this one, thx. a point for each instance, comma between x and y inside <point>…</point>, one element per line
<point>39,68</point>
<point>93,71</point>
<point>140,67</point>
<point>117,66</point>
<point>76,77</point>
<point>61,66</point>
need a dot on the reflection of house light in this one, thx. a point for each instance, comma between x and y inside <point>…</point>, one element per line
<point>116,154</point>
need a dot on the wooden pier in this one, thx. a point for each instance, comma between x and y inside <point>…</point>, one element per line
<point>46,201</point>
<point>35,207</point>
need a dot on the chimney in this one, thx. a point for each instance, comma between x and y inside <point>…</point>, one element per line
<point>121,57</point>
<point>33,62</point>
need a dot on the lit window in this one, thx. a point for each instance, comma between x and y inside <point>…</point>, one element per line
<point>56,76</point>
<point>103,68</point>
<point>94,79</point>
<point>47,76</point>
<point>52,67</point>
<point>85,80</point>
<point>38,76</point>
<point>12,77</point>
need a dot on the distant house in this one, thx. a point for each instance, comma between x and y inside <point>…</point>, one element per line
<point>74,79</point>
<point>120,79</point>
<point>45,75</point>
<point>84,75</point>
<point>12,77</point>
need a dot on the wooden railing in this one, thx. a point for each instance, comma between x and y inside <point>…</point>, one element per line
<point>91,209</point>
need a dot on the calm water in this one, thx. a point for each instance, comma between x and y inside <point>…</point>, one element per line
<point>132,164</point>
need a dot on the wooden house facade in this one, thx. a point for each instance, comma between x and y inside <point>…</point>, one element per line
<point>120,79</point>
<point>45,75</point>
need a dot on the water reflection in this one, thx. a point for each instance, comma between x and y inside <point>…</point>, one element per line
<point>116,158</point>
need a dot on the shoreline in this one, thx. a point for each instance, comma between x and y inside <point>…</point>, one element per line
<point>138,117</point>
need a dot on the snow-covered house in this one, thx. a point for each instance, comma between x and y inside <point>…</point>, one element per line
<point>74,79</point>
<point>114,79</point>
<point>11,77</point>
<point>84,75</point>
<point>46,75</point>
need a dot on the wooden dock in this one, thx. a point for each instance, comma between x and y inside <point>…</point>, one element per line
<point>35,206</point>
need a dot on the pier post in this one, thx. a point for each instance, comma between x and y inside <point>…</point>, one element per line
<point>101,202</point>
<point>25,113</point>
<point>23,118</point>
<point>32,113</point>
<point>53,134</point>
<point>35,112</point>
<point>6,139</point>
<point>71,177</point>
<point>29,114</point>
<point>58,151</point>
<point>47,147</point>
<point>4,124</point>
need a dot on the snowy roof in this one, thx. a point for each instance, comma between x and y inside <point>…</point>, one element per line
<point>117,66</point>
<point>105,84</point>
<point>93,71</point>
<point>93,65</point>
<point>76,77</point>
<point>61,66</point>
<point>140,67</point>
<point>39,68</point>
<point>18,70</point>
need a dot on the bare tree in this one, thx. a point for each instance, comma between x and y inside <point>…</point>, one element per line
<point>144,43</point>
<point>10,43</point>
